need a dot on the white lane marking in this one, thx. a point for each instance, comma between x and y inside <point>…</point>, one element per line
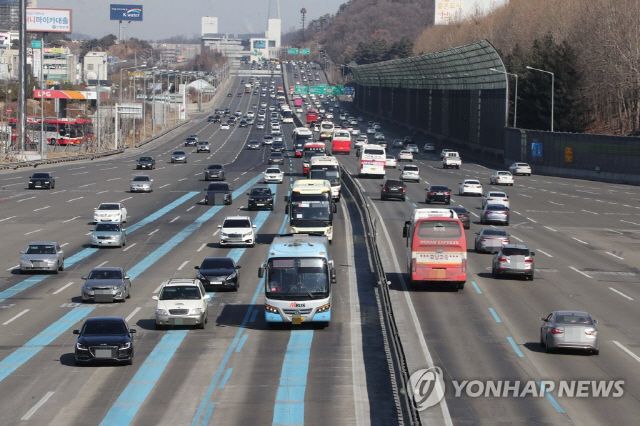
<point>88,233</point>
<point>557,204</point>
<point>516,237</point>
<point>236,179</point>
<point>614,255</point>
<point>587,211</point>
<point>102,264</point>
<point>620,293</point>
<point>183,265</point>
<point>633,223</point>
<point>13,178</point>
<point>615,232</point>
<point>13,267</point>
<point>517,212</point>
<point>580,241</point>
<point>580,272</point>
<point>102,192</point>
<point>545,253</point>
<point>62,288</point>
<point>125,199</point>
<point>15,317</point>
<point>65,244</point>
<point>78,168</point>
<point>135,311</point>
<point>153,232</point>
<point>189,209</point>
<point>33,232</point>
<point>12,184</point>
<point>7,218</point>
<point>69,220</point>
<point>532,220</point>
<point>38,405</point>
<point>25,199</point>
<point>74,199</point>
<point>550,229</point>
<point>79,173</point>
<point>621,346</point>
<point>202,246</point>
<point>109,168</point>
<point>109,180</point>
<point>611,202</point>
<point>474,214</point>
<point>241,174</point>
<point>158,288</point>
<point>174,219</point>
<point>528,196</point>
<point>180,180</point>
<point>129,246</point>
<point>166,184</point>
<point>42,208</point>
<point>215,233</point>
<point>87,184</point>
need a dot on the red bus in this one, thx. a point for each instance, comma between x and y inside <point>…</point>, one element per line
<point>58,131</point>
<point>312,115</point>
<point>437,247</point>
<point>341,142</point>
<point>309,150</point>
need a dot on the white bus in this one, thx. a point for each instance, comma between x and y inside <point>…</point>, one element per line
<point>373,159</point>
<point>327,168</point>
<point>311,208</point>
<point>326,130</point>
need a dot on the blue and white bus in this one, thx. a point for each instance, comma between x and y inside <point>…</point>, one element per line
<point>298,279</point>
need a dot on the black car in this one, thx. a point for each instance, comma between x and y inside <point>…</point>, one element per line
<point>277,147</point>
<point>243,123</point>
<point>393,188</point>
<point>214,118</point>
<point>463,215</point>
<point>214,172</point>
<point>439,193</point>
<point>231,121</point>
<point>42,180</point>
<point>229,95</point>
<point>407,140</point>
<point>218,191</point>
<point>145,163</point>
<point>104,339</point>
<point>260,197</point>
<point>253,144</point>
<point>276,158</point>
<point>219,272</point>
<point>227,111</point>
<point>190,141</point>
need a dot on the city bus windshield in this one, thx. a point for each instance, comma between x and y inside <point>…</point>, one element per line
<point>311,208</point>
<point>297,279</point>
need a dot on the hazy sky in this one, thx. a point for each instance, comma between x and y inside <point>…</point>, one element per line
<point>165,18</point>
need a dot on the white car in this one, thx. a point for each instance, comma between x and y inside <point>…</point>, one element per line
<point>413,148</point>
<point>501,178</point>
<point>278,138</point>
<point>470,187</point>
<point>495,197</point>
<point>237,230</point>
<point>405,155</point>
<point>224,126</point>
<point>410,172</point>
<point>355,131</point>
<point>360,141</point>
<point>429,147</point>
<point>520,169</point>
<point>182,301</point>
<point>273,175</point>
<point>110,212</point>
<point>391,161</point>
<point>329,115</point>
<point>371,131</point>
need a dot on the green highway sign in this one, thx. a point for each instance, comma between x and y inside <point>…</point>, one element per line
<point>36,44</point>
<point>300,90</point>
<point>318,90</point>
<point>305,51</point>
<point>292,51</point>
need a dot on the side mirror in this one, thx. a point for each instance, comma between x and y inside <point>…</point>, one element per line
<point>260,272</point>
<point>207,297</point>
<point>335,208</point>
<point>154,297</point>
<point>83,278</point>
<point>254,226</point>
<point>533,254</point>
<point>76,331</point>
<point>543,319</point>
<point>333,276</point>
<point>132,331</point>
<point>196,267</point>
<point>248,193</point>
<point>238,266</point>
<point>22,252</point>
<point>595,321</point>
<point>286,209</point>
<point>126,277</point>
<point>219,226</point>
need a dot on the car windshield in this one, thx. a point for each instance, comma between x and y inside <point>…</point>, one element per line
<point>214,167</point>
<point>40,175</point>
<point>333,176</point>
<point>459,210</point>
<point>297,278</point>
<point>498,194</point>
<point>109,207</point>
<point>41,249</point>
<point>504,173</point>
<point>394,183</point>
<point>276,155</point>
<point>220,186</point>
<point>145,159</point>
<point>141,179</point>
<point>273,171</point>
<point>217,263</point>
<point>105,274</point>
<point>390,157</point>
<point>522,165</point>
<point>260,191</point>
<point>493,233</point>
<point>113,327</point>
<point>511,251</point>
<point>438,188</point>
<point>107,227</point>
<point>472,182</point>
<point>179,153</point>
<point>180,292</point>
<point>574,319</point>
<point>203,143</point>
<point>410,168</point>
<point>236,223</point>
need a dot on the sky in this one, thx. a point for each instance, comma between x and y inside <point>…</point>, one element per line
<point>166,18</point>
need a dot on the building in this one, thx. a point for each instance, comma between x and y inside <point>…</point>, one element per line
<point>274,35</point>
<point>9,64</point>
<point>209,25</point>
<point>259,49</point>
<point>95,66</point>
<point>221,43</point>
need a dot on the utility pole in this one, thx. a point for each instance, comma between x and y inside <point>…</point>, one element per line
<point>22,90</point>
<point>303,11</point>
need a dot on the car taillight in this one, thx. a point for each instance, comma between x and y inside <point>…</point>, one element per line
<point>404,190</point>
<point>447,193</point>
<point>591,332</point>
<point>502,259</point>
<point>384,189</point>
<point>483,239</point>
<point>505,212</point>
<point>506,240</point>
<point>529,260</point>
<point>432,193</point>
<point>505,199</point>
<point>555,330</point>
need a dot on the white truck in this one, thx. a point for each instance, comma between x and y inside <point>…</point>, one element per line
<point>451,159</point>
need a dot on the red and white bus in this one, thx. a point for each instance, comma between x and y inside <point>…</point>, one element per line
<point>60,131</point>
<point>373,160</point>
<point>309,150</point>
<point>341,142</point>
<point>437,247</point>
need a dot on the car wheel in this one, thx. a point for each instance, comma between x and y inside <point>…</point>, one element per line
<point>495,274</point>
<point>530,277</point>
<point>55,271</point>
<point>595,352</point>
<point>61,267</point>
<point>428,201</point>
<point>448,203</point>
<point>548,349</point>
<point>53,186</point>
<point>206,201</point>
<point>461,285</point>
<point>404,198</point>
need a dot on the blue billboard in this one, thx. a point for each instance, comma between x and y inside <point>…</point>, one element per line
<point>126,12</point>
<point>259,44</point>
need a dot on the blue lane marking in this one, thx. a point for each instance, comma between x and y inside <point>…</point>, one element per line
<point>223,364</point>
<point>515,347</point>
<point>226,375</point>
<point>83,254</point>
<point>415,205</point>
<point>551,399</point>
<point>244,337</point>
<point>130,400</point>
<point>253,316</point>
<point>207,414</point>
<point>476,287</point>
<point>17,358</point>
<point>495,315</point>
<point>289,407</point>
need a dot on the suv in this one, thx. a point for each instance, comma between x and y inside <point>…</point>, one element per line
<point>214,172</point>
<point>260,197</point>
<point>218,190</point>
<point>203,146</point>
<point>182,301</point>
<point>393,188</point>
<point>513,259</point>
<point>237,230</point>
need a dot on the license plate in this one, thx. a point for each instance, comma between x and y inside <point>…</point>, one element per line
<point>103,353</point>
<point>297,319</point>
<point>259,204</point>
<point>216,282</point>
<point>439,193</point>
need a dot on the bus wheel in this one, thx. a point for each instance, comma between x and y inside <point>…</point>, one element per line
<point>461,285</point>
<point>52,141</point>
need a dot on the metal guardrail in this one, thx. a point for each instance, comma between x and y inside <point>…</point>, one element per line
<point>36,163</point>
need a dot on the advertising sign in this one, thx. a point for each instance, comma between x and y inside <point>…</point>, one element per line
<point>536,149</point>
<point>59,50</point>
<point>126,12</point>
<point>292,51</point>
<point>305,51</point>
<point>259,44</point>
<point>49,20</point>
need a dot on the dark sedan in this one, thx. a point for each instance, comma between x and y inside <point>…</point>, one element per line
<point>277,147</point>
<point>214,172</point>
<point>219,272</point>
<point>104,339</point>
<point>243,123</point>
<point>42,180</point>
<point>190,141</point>
<point>463,215</point>
<point>216,192</point>
<point>276,158</point>
<point>260,197</point>
<point>146,163</point>
<point>253,144</point>
<point>214,118</point>
<point>393,188</point>
<point>439,193</point>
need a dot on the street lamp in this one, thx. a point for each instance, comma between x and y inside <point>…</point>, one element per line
<point>120,88</point>
<point>515,100</point>
<point>552,89</point>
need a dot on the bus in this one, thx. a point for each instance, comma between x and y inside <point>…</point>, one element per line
<point>312,116</point>
<point>287,115</point>
<point>327,168</point>
<point>341,142</point>
<point>297,102</point>
<point>311,208</point>
<point>298,276</point>
<point>311,149</point>
<point>437,247</point>
<point>58,131</point>
<point>373,160</point>
<point>326,130</point>
<point>300,136</point>
<point>247,88</point>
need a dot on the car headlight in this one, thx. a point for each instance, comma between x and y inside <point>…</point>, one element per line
<point>161,312</point>
<point>323,308</point>
<point>81,347</point>
<point>125,346</point>
<point>196,311</point>
<point>25,261</point>
<point>223,234</point>
<point>247,234</point>
<point>50,260</point>
<point>200,276</point>
<point>232,276</point>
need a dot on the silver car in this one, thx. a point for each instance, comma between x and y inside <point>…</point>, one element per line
<point>513,259</point>
<point>410,172</point>
<point>179,157</point>
<point>571,330</point>
<point>495,213</point>
<point>106,284</point>
<point>491,240</point>
<point>42,256</point>
<point>141,183</point>
<point>108,234</point>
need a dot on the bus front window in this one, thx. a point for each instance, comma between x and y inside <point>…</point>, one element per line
<point>299,279</point>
